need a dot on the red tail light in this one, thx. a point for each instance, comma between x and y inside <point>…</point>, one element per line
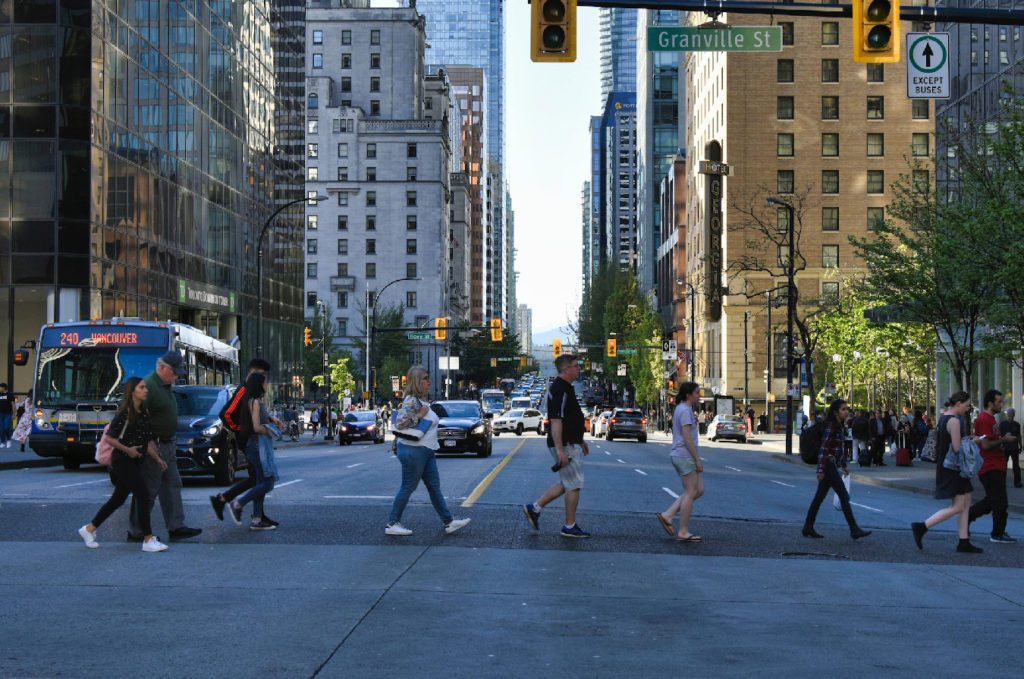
<point>643,421</point>
<point>614,420</point>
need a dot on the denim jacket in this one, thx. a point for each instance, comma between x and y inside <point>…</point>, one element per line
<point>267,451</point>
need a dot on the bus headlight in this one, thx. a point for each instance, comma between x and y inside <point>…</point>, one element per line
<point>43,423</point>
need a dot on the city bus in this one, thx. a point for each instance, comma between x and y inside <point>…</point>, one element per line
<point>492,401</point>
<point>81,368</point>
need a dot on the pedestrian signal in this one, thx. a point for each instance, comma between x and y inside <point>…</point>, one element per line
<point>308,337</point>
<point>612,348</point>
<point>441,328</point>
<point>556,347</point>
<point>553,30</point>
<point>495,329</point>
<point>876,31</point>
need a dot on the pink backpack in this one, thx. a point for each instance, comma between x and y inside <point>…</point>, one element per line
<point>103,449</point>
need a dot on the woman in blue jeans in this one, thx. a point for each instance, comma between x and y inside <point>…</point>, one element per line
<point>262,472</point>
<point>417,457</point>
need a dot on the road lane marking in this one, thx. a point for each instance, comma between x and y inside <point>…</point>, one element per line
<point>349,466</point>
<point>871,509</point>
<point>359,497</point>
<point>606,452</point>
<point>675,495</point>
<point>639,472</point>
<point>482,486</point>
<point>84,483</point>
<point>787,485</point>
<point>622,461</point>
<point>286,483</point>
<point>733,468</point>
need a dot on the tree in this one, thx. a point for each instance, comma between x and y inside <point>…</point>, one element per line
<point>341,378</point>
<point>313,355</point>
<point>385,344</point>
<point>475,351</point>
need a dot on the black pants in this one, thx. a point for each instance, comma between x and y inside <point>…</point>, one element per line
<point>878,450</point>
<point>1016,468</point>
<point>994,500</point>
<point>832,481</point>
<point>252,455</point>
<point>129,482</point>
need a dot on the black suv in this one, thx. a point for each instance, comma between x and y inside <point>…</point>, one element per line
<point>463,428</point>
<point>627,423</point>
<point>204,446</point>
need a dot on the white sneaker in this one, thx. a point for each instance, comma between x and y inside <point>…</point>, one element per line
<point>455,525</point>
<point>153,545</point>
<point>397,529</point>
<point>90,539</point>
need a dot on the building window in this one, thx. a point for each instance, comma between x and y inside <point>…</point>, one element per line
<point>410,199</point>
<point>342,222</point>
<point>312,174</point>
<point>342,174</point>
<point>342,299</point>
<point>375,37</point>
<point>346,84</point>
<point>784,71</point>
<point>410,270</point>
<point>787,32</point>
<point>410,299</point>
<point>371,199</point>
<point>784,144</point>
<point>342,268</point>
<point>371,174</point>
<point>830,144</point>
<point>371,246</point>
<point>830,108</point>
<point>374,107</point>
<point>371,270</point>
<point>876,144</point>
<point>346,37</point>
<point>311,246</point>
<point>829,32</point>
<point>830,181</point>
<point>318,37</point>
<point>876,73</point>
<point>371,150</point>
<point>830,256</point>
<point>313,150</point>
<point>310,299</point>
<point>314,100</point>
<point>343,199</point>
<point>346,60</point>
<point>374,60</point>
<point>784,181</point>
<point>876,181</point>
<point>410,246</point>
<point>311,270</point>
<point>782,219</point>
<point>829,70</point>
<point>371,222</point>
<point>919,109</point>
<point>343,150</point>
<point>318,60</point>
<point>410,174</point>
<point>410,222</point>
<point>920,181</point>
<point>410,150</point>
<point>876,217</point>
<point>342,327</point>
<point>829,219</point>
<point>919,144</point>
<point>343,246</point>
<point>311,198</point>
<point>830,292</point>
<point>375,84</point>
<point>784,108</point>
<point>312,221</point>
<point>784,256</point>
<point>876,108</point>
<point>313,126</point>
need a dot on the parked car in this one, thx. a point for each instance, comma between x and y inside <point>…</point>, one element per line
<point>463,428</point>
<point>204,447</point>
<point>627,423</point>
<point>599,424</point>
<point>727,427</point>
<point>518,421</point>
<point>360,425</point>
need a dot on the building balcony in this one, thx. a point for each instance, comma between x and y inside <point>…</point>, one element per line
<point>343,283</point>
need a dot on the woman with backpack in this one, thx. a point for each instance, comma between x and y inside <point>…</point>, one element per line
<point>832,457</point>
<point>259,451</point>
<point>948,482</point>
<point>134,438</point>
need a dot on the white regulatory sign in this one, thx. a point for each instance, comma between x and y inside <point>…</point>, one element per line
<point>928,65</point>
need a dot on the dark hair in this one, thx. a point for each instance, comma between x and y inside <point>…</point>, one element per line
<point>255,385</point>
<point>128,403</point>
<point>990,396</point>
<point>958,397</point>
<point>832,414</point>
<point>259,364</point>
<point>564,360</point>
<point>685,389</point>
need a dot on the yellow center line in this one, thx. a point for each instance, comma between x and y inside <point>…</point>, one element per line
<point>482,486</point>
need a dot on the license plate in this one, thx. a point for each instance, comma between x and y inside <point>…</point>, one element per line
<point>67,417</point>
<point>450,444</point>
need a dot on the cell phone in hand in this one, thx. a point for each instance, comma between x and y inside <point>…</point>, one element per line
<point>556,466</point>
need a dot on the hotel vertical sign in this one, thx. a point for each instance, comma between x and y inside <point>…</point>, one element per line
<point>713,170</point>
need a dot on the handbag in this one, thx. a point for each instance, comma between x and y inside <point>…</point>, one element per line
<point>411,433</point>
<point>835,496</point>
<point>968,461</point>
<point>104,451</point>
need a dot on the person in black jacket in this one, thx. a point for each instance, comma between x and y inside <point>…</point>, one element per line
<point>879,431</point>
<point>1012,427</point>
<point>860,439</point>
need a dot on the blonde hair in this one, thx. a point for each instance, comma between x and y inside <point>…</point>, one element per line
<point>414,380</point>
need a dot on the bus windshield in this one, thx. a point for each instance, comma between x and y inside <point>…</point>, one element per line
<point>69,375</point>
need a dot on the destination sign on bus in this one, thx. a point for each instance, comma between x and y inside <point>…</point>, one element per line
<point>110,336</point>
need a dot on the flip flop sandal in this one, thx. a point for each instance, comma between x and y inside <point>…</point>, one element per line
<point>665,524</point>
<point>691,538</point>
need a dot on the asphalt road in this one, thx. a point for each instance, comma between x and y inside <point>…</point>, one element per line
<point>328,594</point>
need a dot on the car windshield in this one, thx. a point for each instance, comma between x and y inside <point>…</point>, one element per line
<point>456,410</point>
<point>199,402</point>
<point>514,413</point>
<point>730,418</point>
<point>360,416</point>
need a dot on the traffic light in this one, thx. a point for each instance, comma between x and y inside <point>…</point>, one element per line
<point>441,325</point>
<point>495,329</point>
<point>308,337</point>
<point>553,30</point>
<point>494,363</point>
<point>556,347</point>
<point>405,379</point>
<point>612,348</point>
<point>876,31</point>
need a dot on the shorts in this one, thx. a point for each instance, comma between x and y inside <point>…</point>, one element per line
<point>571,475</point>
<point>683,465</point>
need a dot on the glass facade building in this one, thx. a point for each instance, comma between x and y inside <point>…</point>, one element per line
<point>136,140</point>
<point>618,51</point>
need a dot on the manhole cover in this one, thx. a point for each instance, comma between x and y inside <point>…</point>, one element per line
<point>815,555</point>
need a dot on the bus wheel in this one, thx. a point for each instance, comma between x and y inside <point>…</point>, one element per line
<point>72,462</point>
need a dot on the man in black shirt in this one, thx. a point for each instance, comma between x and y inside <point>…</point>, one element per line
<point>565,441</point>
<point>7,408</point>
<point>1012,427</point>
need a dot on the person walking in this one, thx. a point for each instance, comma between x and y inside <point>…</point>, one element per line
<point>163,481</point>
<point>993,469</point>
<point>259,447</point>
<point>686,461</point>
<point>878,430</point>
<point>948,482</point>
<point>1012,449</point>
<point>861,435</point>
<point>314,421</point>
<point>131,436</point>
<point>565,441</point>
<point>832,458</point>
<point>417,457</point>
<point>8,405</point>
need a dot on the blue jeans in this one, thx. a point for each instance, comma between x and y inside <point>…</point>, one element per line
<point>5,428</point>
<point>260,485</point>
<point>419,463</point>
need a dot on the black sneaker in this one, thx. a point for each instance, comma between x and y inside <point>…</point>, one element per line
<point>919,529</point>
<point>532,515</point>
<point>261,524</point>
<point>574,532</point>
<point>218,506</point>
<point>184,533</point>
<point>1004,538</point>
<point>965,546</point>
<point>267,519</point>
<point>235,512</point>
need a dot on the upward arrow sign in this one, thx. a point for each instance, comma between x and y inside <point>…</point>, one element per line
<point>927,54</point>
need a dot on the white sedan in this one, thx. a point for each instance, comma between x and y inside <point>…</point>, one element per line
<point>518,420</point>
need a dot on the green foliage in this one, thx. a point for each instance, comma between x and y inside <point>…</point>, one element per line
<point>341,378</point>
<point>393,345</point>
<point>475,351</point>
<point>313,356</point>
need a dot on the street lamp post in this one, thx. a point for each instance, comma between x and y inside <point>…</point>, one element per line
<point>259,266</point>
<point>372,329</point>
<point>790,304</point>
<point>327,378</point>
<point>693,301</point>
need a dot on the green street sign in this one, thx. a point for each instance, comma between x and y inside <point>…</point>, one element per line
<point>732,39</point>
<point>626,352</point>
<point>418,335</point>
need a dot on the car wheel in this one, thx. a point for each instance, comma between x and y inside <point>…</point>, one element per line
<point>71,462</point>
<point>519,429</point>
<point>642,439</point>
<point>608,436</point>
<point>486,452</point>
<point>497,433</point>
<point>743,440</point>
<point>712,438</point>
<point>225,473</point>
<point>540,429</point>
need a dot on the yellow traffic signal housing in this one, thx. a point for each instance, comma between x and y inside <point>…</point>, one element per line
<point>494,363</point>
<point>441,328</point>
<point>556,347</point>
<point>612,348</point>
<point>307,337</point>
<point>876,31</point>
<point>495,329</point>
<point>553,30</point>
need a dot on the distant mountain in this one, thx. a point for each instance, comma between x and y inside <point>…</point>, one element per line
<point>542,340</point>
